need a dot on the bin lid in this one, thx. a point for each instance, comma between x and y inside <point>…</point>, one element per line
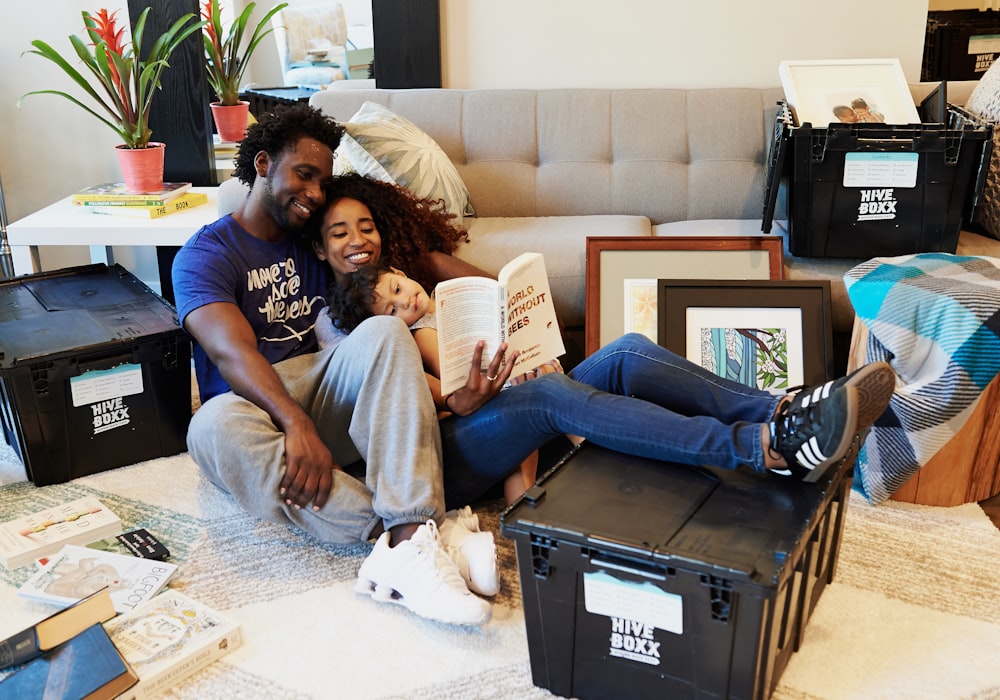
<point>50,315</point>
<point>732,523</point>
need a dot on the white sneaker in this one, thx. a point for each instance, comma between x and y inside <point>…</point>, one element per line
<point>418,575</point>
<point>474,552</point>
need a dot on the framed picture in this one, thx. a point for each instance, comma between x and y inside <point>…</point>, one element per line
<point>622,274</point>
<point>853,91</point>
<point>771,334</point>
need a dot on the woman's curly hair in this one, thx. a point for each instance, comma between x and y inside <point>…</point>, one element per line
<point>350,301</point>
<point>278,131</point>
<point>409,227</point>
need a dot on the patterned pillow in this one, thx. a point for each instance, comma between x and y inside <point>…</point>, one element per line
<point>385,146</point>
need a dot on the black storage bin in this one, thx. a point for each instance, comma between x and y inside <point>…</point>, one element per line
<point>646,579</point>
<point>264,100</point>
<point>95,372</point>
<point>838,208</point>
<point>960,44</point>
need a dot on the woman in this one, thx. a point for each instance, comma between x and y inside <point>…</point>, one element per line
<point>632,396</point>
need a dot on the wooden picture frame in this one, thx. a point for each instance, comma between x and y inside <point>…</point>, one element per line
<point>814,90</point>
<point>792,319</point>
<point>612,261</point>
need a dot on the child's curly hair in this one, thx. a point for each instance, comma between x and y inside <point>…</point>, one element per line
<point>351,300</point>
<point>409,227</point>
<point>278,131</point>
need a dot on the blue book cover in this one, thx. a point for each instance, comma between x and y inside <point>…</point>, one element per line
<point>87,666</point>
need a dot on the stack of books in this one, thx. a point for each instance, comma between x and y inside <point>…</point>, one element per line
<point>114,199</point>
<point>115,633</point>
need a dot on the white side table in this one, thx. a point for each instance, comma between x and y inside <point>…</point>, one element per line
<point>63,223</point>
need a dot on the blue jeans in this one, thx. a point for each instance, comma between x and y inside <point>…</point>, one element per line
<point>632,396</point>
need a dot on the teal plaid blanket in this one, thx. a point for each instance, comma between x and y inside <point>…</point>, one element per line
<point>935,318</point>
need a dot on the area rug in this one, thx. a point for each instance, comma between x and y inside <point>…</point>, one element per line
<point>913,612</point>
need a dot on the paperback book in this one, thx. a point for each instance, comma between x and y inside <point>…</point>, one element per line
<point>30,537</point>
<point>116,192</point>
<point>515,308</point>
<point>76,572</point>
<point>59,627</point>
<point>87,667</point>
<point>170,638</point>
<point>135,211</point>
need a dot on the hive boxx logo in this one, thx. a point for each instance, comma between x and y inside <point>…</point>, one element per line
<point>877,204</point>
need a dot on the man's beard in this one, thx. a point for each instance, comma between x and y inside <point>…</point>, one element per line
<point>278,212</point>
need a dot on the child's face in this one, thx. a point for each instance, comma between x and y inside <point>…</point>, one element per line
<point>398,295</point>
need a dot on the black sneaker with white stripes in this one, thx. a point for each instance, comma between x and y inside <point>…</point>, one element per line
<point>815,429</point>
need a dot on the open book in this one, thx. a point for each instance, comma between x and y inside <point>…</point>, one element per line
<point>516,307</point>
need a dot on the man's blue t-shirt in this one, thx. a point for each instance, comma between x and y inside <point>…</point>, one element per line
<point>279,287</point>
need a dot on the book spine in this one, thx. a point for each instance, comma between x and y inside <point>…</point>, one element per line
<point>19,648</point>
<point>119,202</point>
<point>208,654</point>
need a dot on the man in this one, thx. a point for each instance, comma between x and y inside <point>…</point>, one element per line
<point>279,420</point>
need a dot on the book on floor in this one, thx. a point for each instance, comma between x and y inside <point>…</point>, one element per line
<point>59,627</point>
<point>515,308</point>
<point>115,192</point>
<point>186,201</point>
<point>88,666</point>
<point>137,543</point>
<point>170,638</point>
<point>76,572</point>
<point>30,537</point>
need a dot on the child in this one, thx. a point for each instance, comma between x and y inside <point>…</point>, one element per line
<point>379,289</point>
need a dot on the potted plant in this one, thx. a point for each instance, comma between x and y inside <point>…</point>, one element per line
<point>226,59</point>
<point>122,84</point>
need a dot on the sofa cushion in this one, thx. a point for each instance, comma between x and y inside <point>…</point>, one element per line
<point>561,239</point>
<point>382,144</point>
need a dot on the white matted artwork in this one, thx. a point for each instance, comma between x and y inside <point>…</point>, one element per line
<point>759,347</point>
<point>848,90</point>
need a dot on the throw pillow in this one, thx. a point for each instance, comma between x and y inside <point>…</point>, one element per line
<point>386,146</point>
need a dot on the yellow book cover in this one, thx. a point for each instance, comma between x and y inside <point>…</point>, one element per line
<point>185,201</point>
<point>116,193</point>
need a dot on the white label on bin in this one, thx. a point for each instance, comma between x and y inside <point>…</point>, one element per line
<point>642,603</point>
<point>880,169</point>
<point>106,384</point>
<point>983,43</point>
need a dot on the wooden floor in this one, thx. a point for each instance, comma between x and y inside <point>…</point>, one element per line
<point>992,508</point>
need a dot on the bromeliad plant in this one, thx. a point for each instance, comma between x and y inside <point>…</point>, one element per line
<point>125,83</point>
<point>223,59</point>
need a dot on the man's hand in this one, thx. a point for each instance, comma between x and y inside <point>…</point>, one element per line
<point>480,387</point>
<point>309,468</point>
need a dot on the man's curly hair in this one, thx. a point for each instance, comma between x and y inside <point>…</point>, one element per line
<point>351,300</point>
<point>278,131</point>
<point>410,228</point>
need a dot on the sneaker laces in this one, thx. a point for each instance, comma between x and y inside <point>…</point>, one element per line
<point>434,554</point>
<point>792,422</point>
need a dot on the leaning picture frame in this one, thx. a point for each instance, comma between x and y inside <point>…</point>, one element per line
<point>848,90</point>
<point>622,274</point>
<point>770,334</point>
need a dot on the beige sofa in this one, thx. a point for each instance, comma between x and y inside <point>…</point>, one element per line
<point>545,169</point>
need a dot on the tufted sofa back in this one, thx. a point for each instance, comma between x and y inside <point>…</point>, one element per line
<point>670,155</point>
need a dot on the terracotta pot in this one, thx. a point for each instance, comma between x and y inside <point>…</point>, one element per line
<point>142,168</point>
<point>231,120</point>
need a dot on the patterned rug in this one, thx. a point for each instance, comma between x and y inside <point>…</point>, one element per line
<point>914,610</point>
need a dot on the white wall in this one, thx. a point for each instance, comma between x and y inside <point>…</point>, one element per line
<point>666,43</point>
<point>49,148</point>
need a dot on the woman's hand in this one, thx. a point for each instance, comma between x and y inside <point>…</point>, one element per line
<point>480,387</point>
<point>552,365</point>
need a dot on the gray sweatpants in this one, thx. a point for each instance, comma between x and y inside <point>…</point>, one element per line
<point>369,400</point>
